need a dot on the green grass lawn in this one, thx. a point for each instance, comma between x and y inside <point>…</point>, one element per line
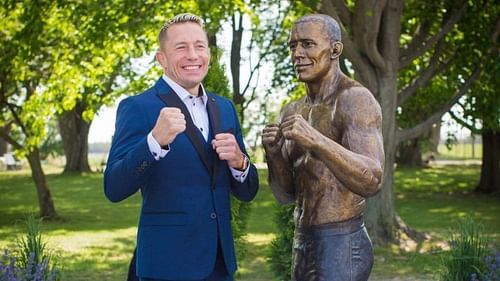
<point>95,238</point>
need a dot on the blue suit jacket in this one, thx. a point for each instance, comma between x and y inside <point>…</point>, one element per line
<point>185,196</point>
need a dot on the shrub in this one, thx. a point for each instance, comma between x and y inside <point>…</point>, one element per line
<point>468,251</point>
<point>33,262</point>
<point>281,247</point>
<point>239,212</point>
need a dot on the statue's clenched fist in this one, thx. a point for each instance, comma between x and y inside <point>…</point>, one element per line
<point>169,124</point>
<point>272,139</point>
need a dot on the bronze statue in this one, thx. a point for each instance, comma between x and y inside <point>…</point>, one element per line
<point>326,155</point>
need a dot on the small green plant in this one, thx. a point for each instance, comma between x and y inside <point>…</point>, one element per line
<point>468,251</point>
<point>33,262</point>
<point>32,244</point>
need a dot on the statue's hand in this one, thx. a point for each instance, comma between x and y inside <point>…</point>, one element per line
<point>272,139</point>
<point>296,128</point>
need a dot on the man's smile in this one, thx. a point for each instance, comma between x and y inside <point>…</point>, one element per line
<point>191,67</point>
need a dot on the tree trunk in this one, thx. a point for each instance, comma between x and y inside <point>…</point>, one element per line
<point>3,146</point>
<point>435,137</point>
<point>47,208</point>
<point>74,133</point>
<point>490,169</point>
<point>409,154</point>
<point>3,142</point>
<point>380,215</point>
<point>238,98</point>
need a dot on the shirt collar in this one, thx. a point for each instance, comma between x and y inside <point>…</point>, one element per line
<point>183,93</point>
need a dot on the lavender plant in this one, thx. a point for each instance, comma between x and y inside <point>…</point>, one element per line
<point>33,262</point>
<point>492,272</point>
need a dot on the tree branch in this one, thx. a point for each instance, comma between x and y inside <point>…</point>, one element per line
<point>9,139</point>
<point>344,13</point>
<point>427,45</point>
<point>463,123</point>
<point>372,24</point>
<point>351,49</point>
<point>416,131</point>
<point>421,32</point>
<point>425,75</point>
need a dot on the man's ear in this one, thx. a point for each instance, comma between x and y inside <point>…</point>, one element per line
<point>162,60</point>
<point>337,48</point>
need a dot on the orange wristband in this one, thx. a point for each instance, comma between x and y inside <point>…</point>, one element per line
<point>243,163</point>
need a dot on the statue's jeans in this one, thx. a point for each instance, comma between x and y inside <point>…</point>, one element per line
<point>332,252</point>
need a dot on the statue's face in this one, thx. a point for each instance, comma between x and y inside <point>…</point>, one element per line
<point>311,51</point>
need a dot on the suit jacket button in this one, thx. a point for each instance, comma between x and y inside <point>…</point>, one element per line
<point>213,216</point>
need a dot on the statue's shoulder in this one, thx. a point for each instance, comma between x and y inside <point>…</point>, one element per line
<point>292,107</point>
<point>351,91</point>
<point>345,83</point>
<point>356,102</point>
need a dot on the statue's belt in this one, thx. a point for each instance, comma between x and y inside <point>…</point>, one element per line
<point>334,228</point>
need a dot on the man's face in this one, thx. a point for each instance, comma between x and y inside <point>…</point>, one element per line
<point>185,55</point>
<point>311,51</point>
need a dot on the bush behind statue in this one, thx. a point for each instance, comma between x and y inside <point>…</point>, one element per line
<point>281,247</point>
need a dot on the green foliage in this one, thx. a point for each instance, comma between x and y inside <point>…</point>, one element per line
<point>33,250</point>
<point>455,57</point>
<point>239,212</point>
<point>216,80</point>
<point>52,144</point>
<point>281,247</point>
<point>481,108</point>
<point>468,251</point>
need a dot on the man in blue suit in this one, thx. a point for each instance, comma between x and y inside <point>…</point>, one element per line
<point>182,147</point>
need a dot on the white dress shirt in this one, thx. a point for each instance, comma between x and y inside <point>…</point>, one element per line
<point>197,107</point>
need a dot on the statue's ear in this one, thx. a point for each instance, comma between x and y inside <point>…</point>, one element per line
<point>337,48</point>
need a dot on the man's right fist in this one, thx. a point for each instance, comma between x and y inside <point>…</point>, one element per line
<point>170,122</point>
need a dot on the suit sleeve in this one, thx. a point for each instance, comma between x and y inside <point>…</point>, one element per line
<point>130,159</point>
<point>246,190</point>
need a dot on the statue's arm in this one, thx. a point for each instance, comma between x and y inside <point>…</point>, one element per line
<point>358,161</point>
<point>280,178</point>
<point>280,175</point>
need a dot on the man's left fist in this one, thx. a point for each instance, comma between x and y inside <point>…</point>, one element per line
<point>228,149</point>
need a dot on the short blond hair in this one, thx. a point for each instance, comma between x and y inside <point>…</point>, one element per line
<point>180,18</point>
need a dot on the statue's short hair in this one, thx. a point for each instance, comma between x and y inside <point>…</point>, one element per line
<point>180,18</point>
<point>331,25</point>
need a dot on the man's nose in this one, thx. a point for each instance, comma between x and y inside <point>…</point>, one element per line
<point>191,52</point>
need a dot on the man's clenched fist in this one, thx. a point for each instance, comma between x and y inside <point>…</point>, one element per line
<point>228,149</point>
<point>169,124</point>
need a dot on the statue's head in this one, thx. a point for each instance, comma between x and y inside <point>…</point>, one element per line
<point>315,46</point>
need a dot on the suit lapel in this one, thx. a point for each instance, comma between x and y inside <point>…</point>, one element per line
<point>214,120</point>
<point>167,95</point>
<point>213,115</point>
